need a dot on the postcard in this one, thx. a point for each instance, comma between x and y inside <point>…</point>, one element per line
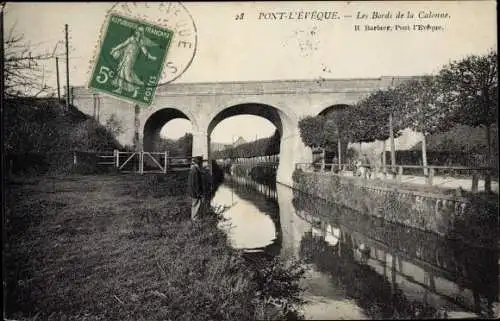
<point>347,143</point>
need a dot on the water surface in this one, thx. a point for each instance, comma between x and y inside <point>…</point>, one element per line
<point>360,267</point>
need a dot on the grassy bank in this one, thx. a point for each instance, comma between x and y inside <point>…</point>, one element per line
<point>122,247</point>
<point>41,134</point>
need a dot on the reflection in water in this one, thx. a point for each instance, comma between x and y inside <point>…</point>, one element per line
<point>360,266</point>
<point>249,217</point>
<point>394,271</point>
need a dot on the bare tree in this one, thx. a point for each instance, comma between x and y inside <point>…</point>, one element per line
<point>24,70</point>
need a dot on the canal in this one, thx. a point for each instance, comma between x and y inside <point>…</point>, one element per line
<point>359,267</point>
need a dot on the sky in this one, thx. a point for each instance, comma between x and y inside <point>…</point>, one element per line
<point>266,49</point>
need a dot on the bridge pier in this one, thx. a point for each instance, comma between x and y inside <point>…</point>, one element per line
<point>200,144</point>
<point>292,151</point>
<point>138,132</point>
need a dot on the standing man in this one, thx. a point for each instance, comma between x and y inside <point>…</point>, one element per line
<point>195,186</point>
<point>207,189</point>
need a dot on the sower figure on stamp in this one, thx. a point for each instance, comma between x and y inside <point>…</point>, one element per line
<point>195,186</point>
<point>127,52</point>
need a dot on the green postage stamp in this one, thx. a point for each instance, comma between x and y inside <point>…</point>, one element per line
<point>131,59</point>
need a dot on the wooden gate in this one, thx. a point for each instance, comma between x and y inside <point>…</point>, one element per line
<point>136,162</point>
<point>144,162</point>
<point>156,162</point>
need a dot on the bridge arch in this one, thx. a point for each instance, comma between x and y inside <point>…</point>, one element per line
<point>268,112</point>
<point>287,115</point>
<point>332,108</point>
<point>285,122</point>
<point>154,123</point>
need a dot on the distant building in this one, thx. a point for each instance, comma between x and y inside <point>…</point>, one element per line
<point>239,141</point>
<point>219,147</point>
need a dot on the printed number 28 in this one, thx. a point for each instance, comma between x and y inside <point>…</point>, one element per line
<point>104,74</point>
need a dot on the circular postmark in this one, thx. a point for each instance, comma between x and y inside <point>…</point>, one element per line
<point>173,16</point>
<point>143,45</point>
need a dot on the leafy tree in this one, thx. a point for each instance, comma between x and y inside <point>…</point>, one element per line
<point>470,88</point>
<point>114,125</point>
<point>423,109</point>
<point>181,147</point>
<point>273,144</point>
<point>311,130</point>
<point>186,144</point>
<point>372,117</point>
<point>336,130</point>
<point>336,126</point>
<point>90,135</point>
<point>260,147</point>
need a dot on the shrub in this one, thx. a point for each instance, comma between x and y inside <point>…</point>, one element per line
<point>41,133</point>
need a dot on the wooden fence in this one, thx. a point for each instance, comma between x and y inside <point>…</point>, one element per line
<point>398,172</point>
<point>124,161</point>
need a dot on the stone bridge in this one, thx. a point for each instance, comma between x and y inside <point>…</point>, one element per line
<point>282,102</point>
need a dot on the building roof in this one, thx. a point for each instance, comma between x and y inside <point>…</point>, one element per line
<point>239,141</point>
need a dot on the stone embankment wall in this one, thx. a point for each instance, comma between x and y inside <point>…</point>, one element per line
<point>473,217</point>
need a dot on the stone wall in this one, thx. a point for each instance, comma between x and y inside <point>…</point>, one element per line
<point>471,216</point>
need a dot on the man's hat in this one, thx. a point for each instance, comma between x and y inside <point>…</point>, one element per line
<point>198,159</point>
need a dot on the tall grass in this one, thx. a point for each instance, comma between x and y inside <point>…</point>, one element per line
<point>124,248</point>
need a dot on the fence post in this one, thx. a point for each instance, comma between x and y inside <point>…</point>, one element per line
<point>141,162</point>
<point>475,181</point>
<point>74,158</point>
<point>323,160</point>
<point>116,154</point>
<point>487,181</point>
<point>399,175</point>
<point>165,163</point>
<point>430,176</point>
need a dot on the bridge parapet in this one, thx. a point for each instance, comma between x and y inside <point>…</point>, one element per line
<point>270,87</point>
<point>280,86</point>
